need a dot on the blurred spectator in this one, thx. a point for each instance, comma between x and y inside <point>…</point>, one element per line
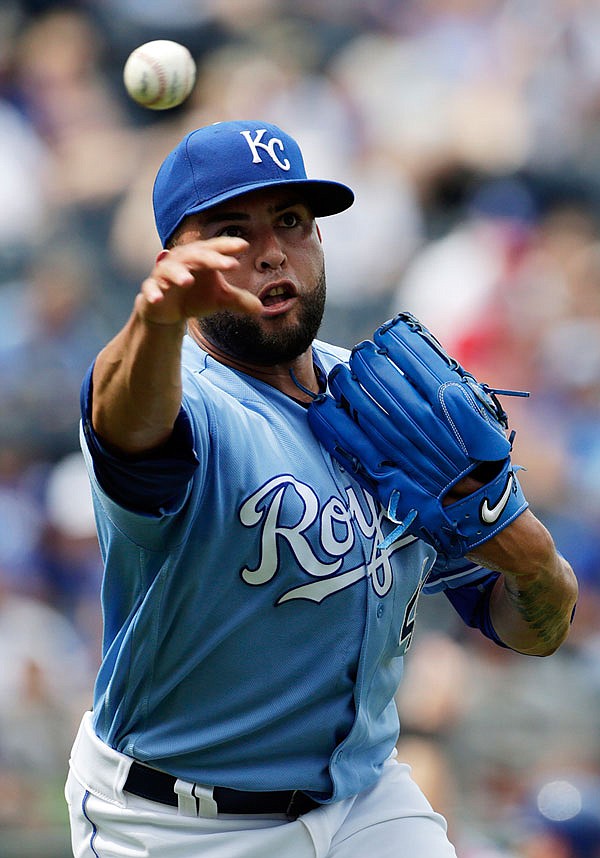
<point>24,204</point>
<point>40,374</point>
<point>70,556</point>
<point>46,677</point>
<point>58,82</point>
<point>366,247</point>
<point>21,528</point>
<point>454,281</point>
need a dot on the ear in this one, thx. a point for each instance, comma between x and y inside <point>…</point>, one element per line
<point>319,233</point>
<point>163,253</point>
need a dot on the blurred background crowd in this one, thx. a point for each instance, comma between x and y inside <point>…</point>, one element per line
<point>470,131</point>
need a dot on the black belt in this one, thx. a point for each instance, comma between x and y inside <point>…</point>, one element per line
<point>159,786</point>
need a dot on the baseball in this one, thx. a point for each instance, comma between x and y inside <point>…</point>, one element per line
<point>160,74</point>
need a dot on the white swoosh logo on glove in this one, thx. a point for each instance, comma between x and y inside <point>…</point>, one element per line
<point>491,514</point>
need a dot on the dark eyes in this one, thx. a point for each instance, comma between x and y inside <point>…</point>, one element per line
<point>287,220</point>
<point>231,231</point>
<point>290,219</point>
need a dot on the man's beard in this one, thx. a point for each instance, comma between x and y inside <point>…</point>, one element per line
<point>243,338</point>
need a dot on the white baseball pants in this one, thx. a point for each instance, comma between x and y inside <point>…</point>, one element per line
<point>392,819</point>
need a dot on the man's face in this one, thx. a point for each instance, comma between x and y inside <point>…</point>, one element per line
<point>283,266</point>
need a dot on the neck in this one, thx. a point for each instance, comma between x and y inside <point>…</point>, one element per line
<point>277,375</point>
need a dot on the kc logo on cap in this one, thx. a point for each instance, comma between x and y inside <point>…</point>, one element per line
<point>211,165</point>
<point>269,147</point>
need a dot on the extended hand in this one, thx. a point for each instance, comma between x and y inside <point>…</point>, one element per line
<point>189,282</point>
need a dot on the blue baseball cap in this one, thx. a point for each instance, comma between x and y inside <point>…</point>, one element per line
<point>221,161</point>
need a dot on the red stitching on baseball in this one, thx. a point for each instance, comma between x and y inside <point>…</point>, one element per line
<point>162,78</point>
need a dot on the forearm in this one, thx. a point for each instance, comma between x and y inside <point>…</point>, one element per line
<point>532,603</point>
<point>137,385</point>
<point>137,377</point>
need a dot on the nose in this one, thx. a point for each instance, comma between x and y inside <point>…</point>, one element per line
<point>270,254</point>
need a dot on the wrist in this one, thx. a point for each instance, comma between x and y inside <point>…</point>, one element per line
<point>155,317</point>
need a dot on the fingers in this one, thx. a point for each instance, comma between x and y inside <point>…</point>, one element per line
<point>240,300</point>
<point>246,303</point>
<point>190,281</point>
<point>212,252</point>
<point>169,272</point>
<point>181,263</point>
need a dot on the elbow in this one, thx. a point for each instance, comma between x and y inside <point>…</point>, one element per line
<point>549,638</point>
<point>536,620</point>
<point>544,648</point>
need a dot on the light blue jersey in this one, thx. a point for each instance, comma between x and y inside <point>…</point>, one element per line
<point>254,633</point>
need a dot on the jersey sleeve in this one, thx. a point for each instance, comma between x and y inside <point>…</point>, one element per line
<point>154,483</point>
<point>450,574</point>
<point>468,588</point>
<point>472,603</point>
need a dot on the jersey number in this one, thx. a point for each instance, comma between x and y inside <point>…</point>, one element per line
<point>408,626</point>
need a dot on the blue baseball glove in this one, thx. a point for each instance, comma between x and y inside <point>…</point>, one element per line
<point>410,423</point>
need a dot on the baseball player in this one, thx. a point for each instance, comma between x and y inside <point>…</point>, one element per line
<point>261,573</point>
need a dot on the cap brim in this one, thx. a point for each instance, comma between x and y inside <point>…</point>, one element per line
<point>324,197</point>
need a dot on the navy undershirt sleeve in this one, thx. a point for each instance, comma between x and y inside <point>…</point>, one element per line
<point>153,483</point>
<point>472,602</point>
